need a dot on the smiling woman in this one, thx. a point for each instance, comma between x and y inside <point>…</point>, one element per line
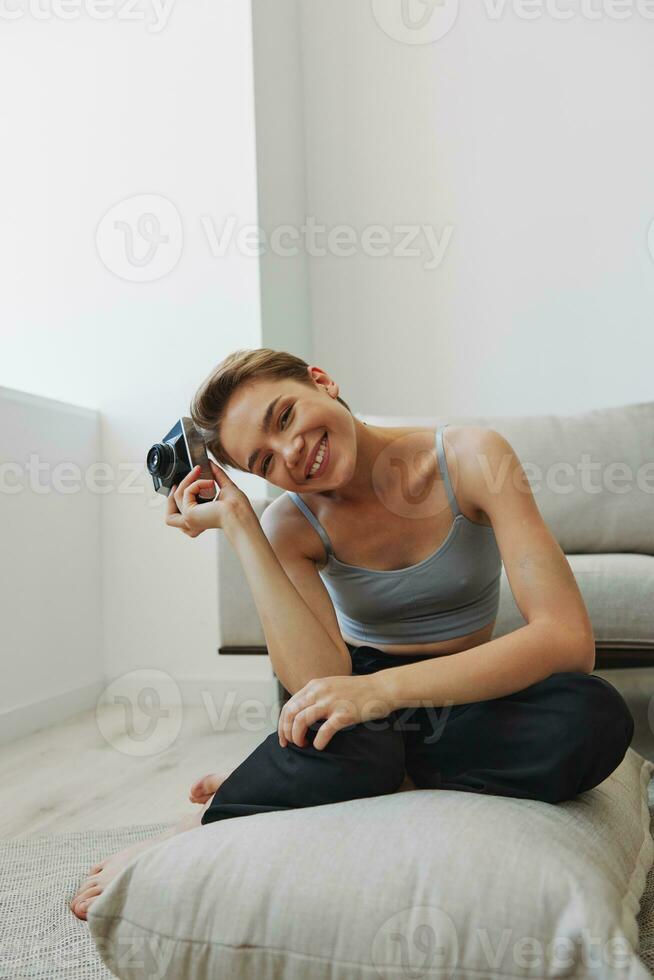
<point>401,621</point>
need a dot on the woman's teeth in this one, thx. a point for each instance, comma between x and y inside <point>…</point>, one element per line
<point>319,456</point>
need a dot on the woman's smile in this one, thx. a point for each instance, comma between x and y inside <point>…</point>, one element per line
<point>324,459</point>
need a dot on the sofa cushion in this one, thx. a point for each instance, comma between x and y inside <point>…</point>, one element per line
<point>422,883</point>
<point>592,474</point>
<point>618,591</point>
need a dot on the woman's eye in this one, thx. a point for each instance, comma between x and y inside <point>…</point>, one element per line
<point>284,417</point>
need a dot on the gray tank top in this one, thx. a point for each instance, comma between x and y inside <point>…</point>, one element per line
<point>454,591</point>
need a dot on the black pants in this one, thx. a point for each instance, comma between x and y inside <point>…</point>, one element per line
<point>550,741</point>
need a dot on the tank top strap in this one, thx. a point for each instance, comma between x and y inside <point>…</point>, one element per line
<point>311,517</point>
<point>442,462</point>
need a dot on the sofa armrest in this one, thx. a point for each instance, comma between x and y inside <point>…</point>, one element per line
<point>238,619</point>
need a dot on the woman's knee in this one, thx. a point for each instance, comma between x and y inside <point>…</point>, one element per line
<point>601,711</point>
<point>592,733</point>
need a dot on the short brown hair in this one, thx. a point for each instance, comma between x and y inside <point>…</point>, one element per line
<point>209,403</point>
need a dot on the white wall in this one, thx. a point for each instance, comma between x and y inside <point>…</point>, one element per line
<point>50,573</point>
<point>533,140</point>
<point>281,179</point>
<point>95,113</point>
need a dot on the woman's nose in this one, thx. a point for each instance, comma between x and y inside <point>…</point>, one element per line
<point>292,453</point>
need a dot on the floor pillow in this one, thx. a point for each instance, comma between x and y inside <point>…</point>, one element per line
<point>418,883</point>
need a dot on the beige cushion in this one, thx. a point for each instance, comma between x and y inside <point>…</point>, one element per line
<point>387,886</point>
<point>618,591</point>
<point>592,474</point>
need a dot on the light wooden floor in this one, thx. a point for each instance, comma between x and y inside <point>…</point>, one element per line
<point>68,778</point>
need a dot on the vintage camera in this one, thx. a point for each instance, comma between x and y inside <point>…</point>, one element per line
<point>179,451</point>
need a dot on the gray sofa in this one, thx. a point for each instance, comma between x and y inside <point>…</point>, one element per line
<point>592,475</point>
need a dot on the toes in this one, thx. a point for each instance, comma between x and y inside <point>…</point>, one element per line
<point>86,884</point>
<point>87,893</point>
<point>87,904</point>
<point>84,887</point>
<point>196,787</point>
<point>83,908</point>
<point>198,793</point>
<point>82,901</point>
<point>205,788</point>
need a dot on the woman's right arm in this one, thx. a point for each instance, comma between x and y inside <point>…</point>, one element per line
<point>299,645</point>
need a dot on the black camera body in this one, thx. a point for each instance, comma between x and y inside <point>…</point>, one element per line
<point>170,460</point>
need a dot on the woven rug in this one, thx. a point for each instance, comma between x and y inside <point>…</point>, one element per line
<point>43,940</point>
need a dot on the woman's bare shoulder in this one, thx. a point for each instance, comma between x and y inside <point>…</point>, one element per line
<point>461,445</point>
<point>291,529</point>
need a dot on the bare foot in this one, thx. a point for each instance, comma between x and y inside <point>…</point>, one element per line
<point>102,873</point>
<point>203,789</point>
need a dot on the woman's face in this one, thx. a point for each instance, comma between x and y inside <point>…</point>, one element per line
<point>297,417</point>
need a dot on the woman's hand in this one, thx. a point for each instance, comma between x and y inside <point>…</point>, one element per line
<point>184,511</point>
<point>341,700</point>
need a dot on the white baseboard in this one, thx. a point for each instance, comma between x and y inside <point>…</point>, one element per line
<point>25,719</point>
<point>219,699</point>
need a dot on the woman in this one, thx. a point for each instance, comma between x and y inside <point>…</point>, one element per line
<point>386,649</point>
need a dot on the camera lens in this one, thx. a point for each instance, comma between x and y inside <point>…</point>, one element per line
<point>160,459</point>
